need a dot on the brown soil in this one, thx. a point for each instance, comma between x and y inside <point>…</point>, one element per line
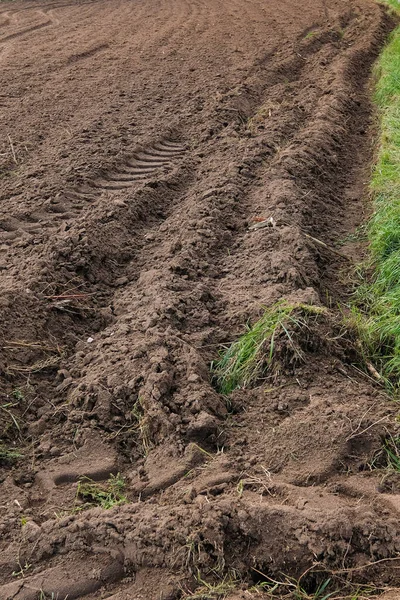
<point>139,141</point>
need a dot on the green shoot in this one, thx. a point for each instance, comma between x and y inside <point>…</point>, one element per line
<point>8,455</point>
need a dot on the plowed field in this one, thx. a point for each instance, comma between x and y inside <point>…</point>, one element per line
<point>140,142</point>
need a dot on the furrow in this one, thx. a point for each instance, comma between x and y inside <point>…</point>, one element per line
<point>25,31</point>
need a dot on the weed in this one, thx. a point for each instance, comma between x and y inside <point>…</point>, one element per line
<point>248,359</point>
<point>106,495</point>
<point>388,457</point>
<point>292,589</point>
<point>289,588</point>
<point>392,449</point>
<point>310,35</point>
<point>360,234</point>
<point>18,395</point>
<point>340,32</point>
<point>22,569</point>
<point>211,591</point>
<point>8,455</point>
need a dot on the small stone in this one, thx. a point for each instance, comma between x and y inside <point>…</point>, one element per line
<point>121,281</point>
<point>31,531</point>
<point>193,378</point>
<point>119,202</point>
<point>209,193</point>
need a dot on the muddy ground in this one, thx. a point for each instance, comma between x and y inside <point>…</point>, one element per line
<point>139,141</point>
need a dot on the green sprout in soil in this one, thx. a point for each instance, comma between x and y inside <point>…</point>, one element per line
<point>376,310</point>
<point>106,495</point>
<point>17,394</point>
<point>9,455</point>
<point>310,34</point>
<point>23,568</point>
<point>292,589</point>
<point>248,359</point>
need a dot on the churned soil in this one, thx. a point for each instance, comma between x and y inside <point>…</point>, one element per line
<point>140,140</point>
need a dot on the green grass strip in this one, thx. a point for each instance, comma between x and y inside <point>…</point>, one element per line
<point>377,305</point>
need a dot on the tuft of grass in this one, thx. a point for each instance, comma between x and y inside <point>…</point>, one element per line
<point>358,235</point>
<point>106,495</point>
<point>376,310</point>
<point>18,395</point>
<point>391,447</point>
<point>211,591</point>
<point>23,568</point>
<point>248,358</point>
<point>289,588</point>
<point>388,457</point>
<point>293,590</point>
<point>9,455</point>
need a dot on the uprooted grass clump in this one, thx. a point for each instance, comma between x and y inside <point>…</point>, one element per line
<point>377,306</point>
<point>106,495</point>
<point>249,358</point>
